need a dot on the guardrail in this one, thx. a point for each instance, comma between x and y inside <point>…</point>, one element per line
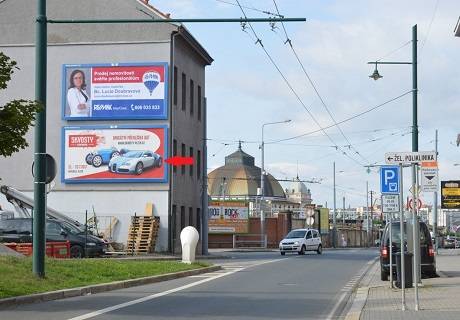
<point>252,240</point>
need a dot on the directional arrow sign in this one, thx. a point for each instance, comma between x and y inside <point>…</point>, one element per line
<point>409,157</point>
<point>180,161</point>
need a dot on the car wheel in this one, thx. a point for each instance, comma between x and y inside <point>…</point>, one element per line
<point>115,154</point>
<point>76,252</point>
<point>139,168</point>
<point>97,161</point>
<point>383,275</point>
<point>302,250</point>
<point>89,158</point>
<point>283,253</point>
<point>160,162</point>
<point>320,249</point>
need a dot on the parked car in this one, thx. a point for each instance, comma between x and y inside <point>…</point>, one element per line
<point>135,162</point>
<point>451,243</point>
<point>20,230</point>
<point>101,156</point>
<point>300,241</point>
<point>428,266</point>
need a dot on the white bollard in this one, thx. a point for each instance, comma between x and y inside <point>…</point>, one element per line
<point>189,238</point>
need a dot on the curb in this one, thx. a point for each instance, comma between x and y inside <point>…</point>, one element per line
<point>357,304</point>
<point>92,289</point>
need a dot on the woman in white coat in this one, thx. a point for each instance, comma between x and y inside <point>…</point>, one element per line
<point>77,98</point>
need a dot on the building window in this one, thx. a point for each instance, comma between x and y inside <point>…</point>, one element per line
<point>184,90</point>
<point>190,216</point>
<point>198,164</point>
<point>198,220</point>
<point>174,153</point>
<point>183,154</point>
<point>173,221</point>
<point>191,166</point>
<point>175,86</point>
<point>192,96</point>
<point>182,218</point>
<point>199,103</point>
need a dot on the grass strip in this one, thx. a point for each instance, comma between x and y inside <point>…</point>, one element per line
<point>16,277</point>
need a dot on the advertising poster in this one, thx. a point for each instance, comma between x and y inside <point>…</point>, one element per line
<point>113,154</point>
<point>121,91</point>
<point>228,217</point>
<point>450,194</point>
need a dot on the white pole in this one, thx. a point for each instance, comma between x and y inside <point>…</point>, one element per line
<point>415,237</point>
<point>401,227</point>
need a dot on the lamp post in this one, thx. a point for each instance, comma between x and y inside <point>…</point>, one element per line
<point>262,215</point>
<point>375,75</point>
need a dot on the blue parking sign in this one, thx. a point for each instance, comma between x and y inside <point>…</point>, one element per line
<point>389,179</point>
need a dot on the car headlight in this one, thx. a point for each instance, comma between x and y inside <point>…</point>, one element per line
<point>296,243</point>
<point>90,244</point>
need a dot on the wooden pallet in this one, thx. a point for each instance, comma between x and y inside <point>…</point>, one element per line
<point>142,235</point>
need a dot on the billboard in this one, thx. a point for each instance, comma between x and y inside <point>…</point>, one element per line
<point>114,91</point>
<point>228,217</point>
<point>450,194</point>
<point>112,154</point>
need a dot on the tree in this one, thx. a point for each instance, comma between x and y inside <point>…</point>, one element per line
<point>16,116</point>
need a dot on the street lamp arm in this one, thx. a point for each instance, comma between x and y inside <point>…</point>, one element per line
<point>388,62</point>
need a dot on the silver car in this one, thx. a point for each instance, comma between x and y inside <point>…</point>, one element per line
<point>135,162</point>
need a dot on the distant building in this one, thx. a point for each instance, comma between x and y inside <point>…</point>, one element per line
<point>239,179</point>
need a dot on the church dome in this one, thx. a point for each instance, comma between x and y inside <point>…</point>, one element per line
<point>239,177</point>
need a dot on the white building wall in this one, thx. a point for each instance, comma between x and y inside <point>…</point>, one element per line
<point>106,204</point>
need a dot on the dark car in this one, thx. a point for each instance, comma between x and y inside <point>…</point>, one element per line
<point>20,230</point>
<point>428,266</point>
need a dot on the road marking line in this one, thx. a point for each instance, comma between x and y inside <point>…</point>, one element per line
<point>164,293</point>
<point>336,306</point>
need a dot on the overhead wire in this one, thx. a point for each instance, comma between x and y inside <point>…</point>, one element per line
<point>289,41</point>
<point>345,120</point>
<point>259,41</point>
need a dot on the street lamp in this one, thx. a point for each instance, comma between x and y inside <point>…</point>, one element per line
<point>416,240</point>
<point>262,216</point>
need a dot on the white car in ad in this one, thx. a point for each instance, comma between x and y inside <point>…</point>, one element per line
<point>300,241</point>
<point>135,162</point>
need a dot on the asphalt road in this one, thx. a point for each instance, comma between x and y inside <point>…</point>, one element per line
<point>261,285</point>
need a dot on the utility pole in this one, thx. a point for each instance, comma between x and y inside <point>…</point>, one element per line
<point>416,239</point>
<point>334,221</point>
<point>343,212</point>
<point>435,202</point>
<point>367,212</point>
<point>372,207</point>
<point>39,211</point>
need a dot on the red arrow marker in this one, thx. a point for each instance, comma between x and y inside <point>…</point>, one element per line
<point>180,161</point>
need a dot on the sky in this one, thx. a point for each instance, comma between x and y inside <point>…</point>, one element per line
<point>247,87</point>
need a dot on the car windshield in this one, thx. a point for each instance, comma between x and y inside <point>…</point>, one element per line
<point>396,234</point>
<point>133,154</point>
<point>296,234</point>
<point>71,228</point>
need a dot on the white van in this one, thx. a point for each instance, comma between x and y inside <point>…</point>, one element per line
<point>301,240</point>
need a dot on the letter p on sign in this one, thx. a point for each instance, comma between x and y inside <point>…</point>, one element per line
<point>389,179</point>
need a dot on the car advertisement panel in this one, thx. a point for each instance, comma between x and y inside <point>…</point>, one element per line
<point>228,217</point>
<point>113,154</point>
<point>114,91</point>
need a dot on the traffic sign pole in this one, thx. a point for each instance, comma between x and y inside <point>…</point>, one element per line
<point>391,249</point>
<point>416,239</point>
<point>401,228</point>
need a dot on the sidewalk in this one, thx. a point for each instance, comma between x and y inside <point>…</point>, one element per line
<point>438,297</point>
